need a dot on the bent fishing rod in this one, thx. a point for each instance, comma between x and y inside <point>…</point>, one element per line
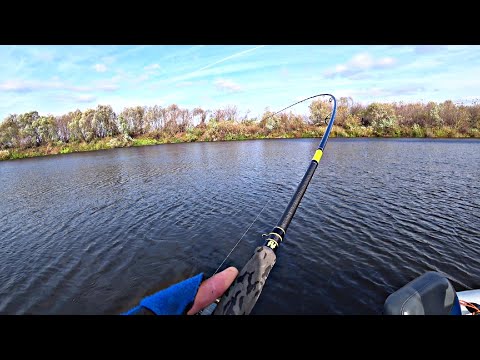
<point>243,294</point>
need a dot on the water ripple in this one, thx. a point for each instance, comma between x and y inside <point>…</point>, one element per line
<point>92,233</point>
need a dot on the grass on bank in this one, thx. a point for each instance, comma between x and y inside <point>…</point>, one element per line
<point>229,131</point>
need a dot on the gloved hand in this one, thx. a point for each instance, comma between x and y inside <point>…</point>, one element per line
<point>188,296</point>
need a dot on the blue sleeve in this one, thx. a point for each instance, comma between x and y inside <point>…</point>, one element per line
<point>174,300</point>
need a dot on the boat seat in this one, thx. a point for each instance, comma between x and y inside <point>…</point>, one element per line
<point>428,294</point>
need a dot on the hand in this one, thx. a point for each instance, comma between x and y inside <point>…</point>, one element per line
<point>213,288</point>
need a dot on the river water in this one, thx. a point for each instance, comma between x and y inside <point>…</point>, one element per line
<point>93,233</point>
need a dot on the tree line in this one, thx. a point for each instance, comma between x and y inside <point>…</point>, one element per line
<point>446,119</point>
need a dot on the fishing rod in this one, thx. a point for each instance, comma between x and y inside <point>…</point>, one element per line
<point>243,294</point>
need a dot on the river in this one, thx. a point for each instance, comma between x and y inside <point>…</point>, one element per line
<point>93,233</point>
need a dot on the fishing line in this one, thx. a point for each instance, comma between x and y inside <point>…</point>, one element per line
<point>298,102</point>
<point>278,187</point>
<point>238,242</point>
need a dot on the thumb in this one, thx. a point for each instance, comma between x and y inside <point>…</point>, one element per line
<point>213,288</point>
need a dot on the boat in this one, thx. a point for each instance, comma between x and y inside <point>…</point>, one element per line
<point>432,294</point>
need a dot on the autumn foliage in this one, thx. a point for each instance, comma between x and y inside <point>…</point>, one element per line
<point>33,134</point>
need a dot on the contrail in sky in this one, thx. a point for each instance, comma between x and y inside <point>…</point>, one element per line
<point>231,57</point>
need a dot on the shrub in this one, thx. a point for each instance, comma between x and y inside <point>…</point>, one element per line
<point>4,154</point>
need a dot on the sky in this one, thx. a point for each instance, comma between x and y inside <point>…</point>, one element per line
<point>58,79</point>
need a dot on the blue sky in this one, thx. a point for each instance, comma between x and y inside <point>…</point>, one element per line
<point>58,79</point>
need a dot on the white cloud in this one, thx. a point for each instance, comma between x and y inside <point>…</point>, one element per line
<point>184,84</point>
<point>381,92</point>
<point>45,55</point>
<point>108,59</point>
<point>152,67</point>
<point>76,98</point>
<point>105,84</point>
<point>141,78</point>
<point>227,85</point>
<point>386,61</point>
<point>108,87</point>
<point>150,70</point>
<point>358,64</point>
<point>23,86</point>
<point>361,61</point>
<point>85,98</point>
<point>224,70</point>
<point>100,67</point>
<point>423,63</point>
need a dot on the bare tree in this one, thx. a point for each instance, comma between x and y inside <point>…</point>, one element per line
<point>154,118</point>
<point>199,115</point>
<point>185,120</point>
<point>219,115</point>
<point>231,113</point>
